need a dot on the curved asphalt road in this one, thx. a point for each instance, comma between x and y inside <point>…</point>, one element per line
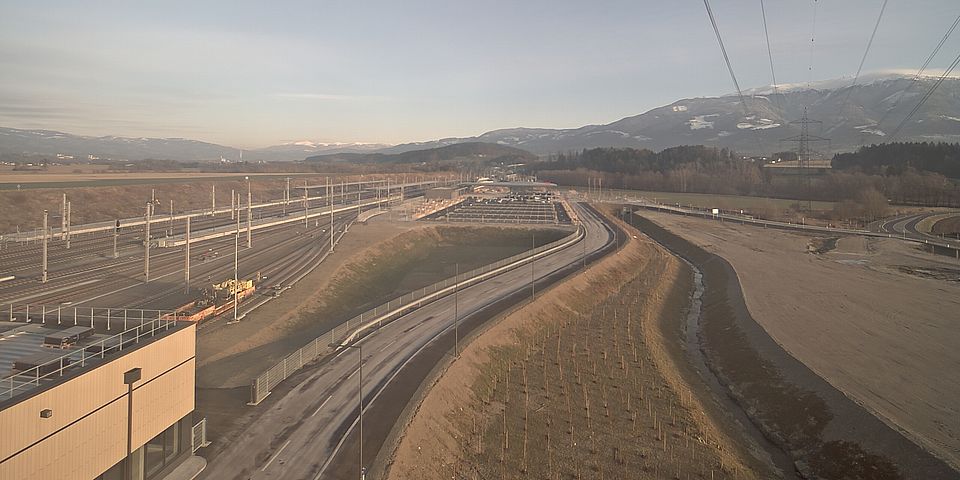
<point>302,432</point>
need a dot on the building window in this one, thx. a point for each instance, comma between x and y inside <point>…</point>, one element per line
<point>115,472</point>
<point>153,455</point>
<point>171,442</point>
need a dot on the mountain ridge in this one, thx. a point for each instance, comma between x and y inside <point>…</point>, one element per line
<point>849,114</point>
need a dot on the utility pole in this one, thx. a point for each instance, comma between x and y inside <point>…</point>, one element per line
<point>186,258</point>
<point>233,203</point>
<point>63,218</point>
<point>213,199</point>
<point>116,233</point>
<point>69,213</point>
<point>330,198</point>
<point>170,232</point>
<point>533,281</point>
<point>146,245</point>
<point>286,197</point>
<point>456,313</point>
<point>43,278</point>
<point>249,216</point>
<point>306,202</point>
<point>236,269</point>
<point>583,256</point>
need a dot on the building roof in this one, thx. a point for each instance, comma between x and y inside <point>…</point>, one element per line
<point>28,366</point>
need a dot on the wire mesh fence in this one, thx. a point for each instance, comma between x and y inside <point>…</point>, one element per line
<point>383,314</point>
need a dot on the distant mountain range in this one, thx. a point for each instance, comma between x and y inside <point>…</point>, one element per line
<point>48,142</point>
<point>849,117</point>
<point>457,151</point>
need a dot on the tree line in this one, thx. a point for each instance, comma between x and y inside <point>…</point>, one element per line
<point>701,169</point>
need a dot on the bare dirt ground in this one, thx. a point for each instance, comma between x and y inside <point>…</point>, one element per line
<point>24,209</point>
<point>87,173</point>
<point>579,383</point>
<point>876,318</point>
<point>263,328</point>
<point>948,227</point>
<point>371,264</point>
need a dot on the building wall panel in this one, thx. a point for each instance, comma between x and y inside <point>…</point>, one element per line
<point>87,433</point>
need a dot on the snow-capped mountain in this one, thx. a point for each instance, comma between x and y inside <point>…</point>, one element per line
<point>304,148</point>
<point>849,114</point>
<point>49,142</point>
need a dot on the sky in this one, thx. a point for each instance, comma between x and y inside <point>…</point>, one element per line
<point>251,74</point>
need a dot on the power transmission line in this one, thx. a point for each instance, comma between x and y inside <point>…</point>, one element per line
<point>863,59</point>
<point>713,21</point>
<point>813,36</point>
<point>926,96</point>
<point>766,34</point>
<point>916,77</point>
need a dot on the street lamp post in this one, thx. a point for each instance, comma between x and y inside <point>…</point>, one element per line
<point>236,268</point>
<point>359,348</point>
<point>456,313</point>
<point>249,215</point>
<point>130,377</point>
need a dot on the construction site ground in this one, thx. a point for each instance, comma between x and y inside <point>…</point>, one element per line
<point>876,318</point>
<point>588,381</point>
<point>373,263</point>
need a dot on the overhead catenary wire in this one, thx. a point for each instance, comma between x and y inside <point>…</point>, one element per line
<point>726,58</point>
<point>926,96</point>
<point>919,74</point>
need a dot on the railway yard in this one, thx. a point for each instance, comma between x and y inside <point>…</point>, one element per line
<point>285,278</point>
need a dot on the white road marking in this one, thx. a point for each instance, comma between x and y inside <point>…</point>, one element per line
<point>321,406</point>
<point>274,457</point>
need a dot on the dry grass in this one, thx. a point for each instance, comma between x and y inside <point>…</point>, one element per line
<point>23,209</point>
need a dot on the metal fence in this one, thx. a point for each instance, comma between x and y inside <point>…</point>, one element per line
<point>198,436</point>
<point>383,314</point>
<point>106,319</point>
<point>78,358</point>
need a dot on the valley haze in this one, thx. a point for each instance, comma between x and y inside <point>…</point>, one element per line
<point>849,115</point>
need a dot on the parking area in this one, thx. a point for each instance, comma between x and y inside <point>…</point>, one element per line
<point>515,208</point>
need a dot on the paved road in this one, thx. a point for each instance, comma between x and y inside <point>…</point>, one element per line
<point>900,227</point>
<point>301,432</point>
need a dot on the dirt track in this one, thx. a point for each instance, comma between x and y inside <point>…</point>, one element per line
<point>861,317</point>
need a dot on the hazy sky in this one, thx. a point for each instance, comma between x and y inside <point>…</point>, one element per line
<point>252,74</point>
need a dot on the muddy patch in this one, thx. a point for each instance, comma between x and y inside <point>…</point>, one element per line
<point>935,273</point>
<point>820,246</point>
